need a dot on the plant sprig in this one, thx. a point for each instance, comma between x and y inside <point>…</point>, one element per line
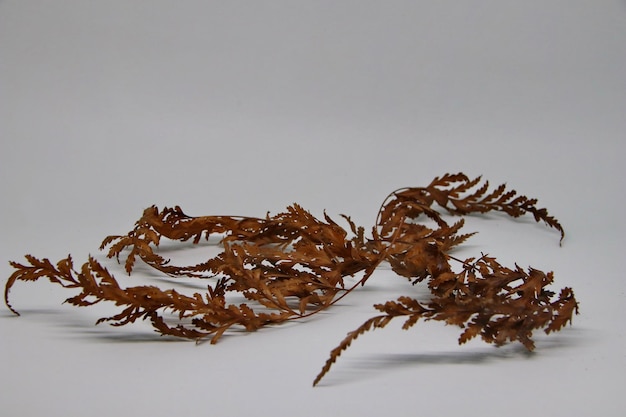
<point>293,264</point>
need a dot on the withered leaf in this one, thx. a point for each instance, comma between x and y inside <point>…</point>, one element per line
<point>293,264</point>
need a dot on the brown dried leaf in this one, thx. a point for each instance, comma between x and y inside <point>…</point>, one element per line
<point>293,264</point>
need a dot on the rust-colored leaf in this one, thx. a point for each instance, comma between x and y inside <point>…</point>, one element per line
<point>293,264</point>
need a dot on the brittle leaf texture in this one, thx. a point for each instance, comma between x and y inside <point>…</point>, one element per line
<point>293,264</point>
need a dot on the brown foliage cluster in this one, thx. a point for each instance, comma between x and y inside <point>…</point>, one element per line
<point>293,264</point>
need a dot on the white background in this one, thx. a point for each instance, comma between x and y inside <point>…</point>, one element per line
<point>245,107</point>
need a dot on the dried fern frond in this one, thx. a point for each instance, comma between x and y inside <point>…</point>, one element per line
<point>487,299</point>
<point>459,195</point>
<point>293,264</point>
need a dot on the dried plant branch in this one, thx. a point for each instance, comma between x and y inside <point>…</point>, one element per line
<point>293,264</point>
<point>487,299</point>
